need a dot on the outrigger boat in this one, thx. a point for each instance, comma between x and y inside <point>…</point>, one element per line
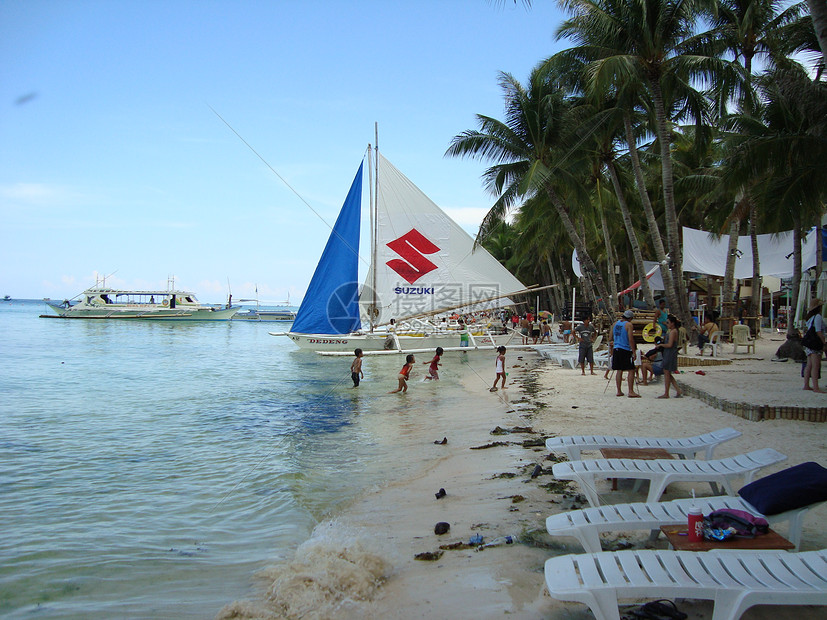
<point>422,264</point>
<point>260,313</point>
<point>103,302</point>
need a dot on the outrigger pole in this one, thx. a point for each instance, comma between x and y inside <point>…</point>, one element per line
<point>530,289</point>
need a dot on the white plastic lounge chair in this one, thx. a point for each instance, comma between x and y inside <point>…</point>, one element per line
<point>662,472</point>
<point>734,581</point>
<point>569,360</point>
<point>601,360</point>
<point>557,355</point>
<point>546,350</point>
<point>587,524</point>
<point>686,447</point>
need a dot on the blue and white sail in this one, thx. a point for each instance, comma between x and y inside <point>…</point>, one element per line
<point>422,263</point>
<point>331,304</point>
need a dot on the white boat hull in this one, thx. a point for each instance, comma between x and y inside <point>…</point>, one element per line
<point>152,314</point>
<point>267,316</point>
<point>322,343</point>
<point>102,302</point>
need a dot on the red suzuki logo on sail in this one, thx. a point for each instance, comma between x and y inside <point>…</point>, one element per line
<point>412,246</point>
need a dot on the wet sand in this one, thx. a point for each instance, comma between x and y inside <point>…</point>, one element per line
<point>361,564</point>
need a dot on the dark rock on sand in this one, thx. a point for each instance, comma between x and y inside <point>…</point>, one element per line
<point>792,349</point>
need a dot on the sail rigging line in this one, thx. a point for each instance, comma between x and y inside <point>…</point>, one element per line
<point>290,187</point>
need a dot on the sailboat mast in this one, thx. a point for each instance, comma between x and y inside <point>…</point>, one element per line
<point>372,239</point>
<point>375,231</point>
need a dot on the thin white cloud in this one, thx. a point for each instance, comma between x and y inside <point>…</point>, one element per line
<point>41,195</point>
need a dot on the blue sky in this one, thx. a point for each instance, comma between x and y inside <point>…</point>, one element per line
<point>111,159</point>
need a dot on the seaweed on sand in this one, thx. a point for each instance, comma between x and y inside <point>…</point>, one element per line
<point>493,444</point>
<point>556,486</point>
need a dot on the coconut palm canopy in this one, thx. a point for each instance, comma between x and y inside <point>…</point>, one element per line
<point>662,114</point>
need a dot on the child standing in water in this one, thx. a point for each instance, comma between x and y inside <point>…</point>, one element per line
<point>433,370</point>
<point>404,374</point>
<point>500,367</point>
<point>356,368</point>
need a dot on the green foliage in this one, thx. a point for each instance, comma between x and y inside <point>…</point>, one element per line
<point>743,119</point>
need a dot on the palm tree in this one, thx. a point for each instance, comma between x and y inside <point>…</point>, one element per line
<point>606,125</point>
<point>604,140</point>
<point>748,29</point>
<point>651,47</point>
<point>782,149</point>
<point>532,154</point>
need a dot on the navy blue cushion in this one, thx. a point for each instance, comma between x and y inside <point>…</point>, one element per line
<point>789,489</point>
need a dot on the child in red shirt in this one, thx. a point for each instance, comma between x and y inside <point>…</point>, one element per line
<point>433,370</point>
<point>404,374</point>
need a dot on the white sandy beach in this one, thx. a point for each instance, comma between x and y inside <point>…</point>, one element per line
<point>361,564</point>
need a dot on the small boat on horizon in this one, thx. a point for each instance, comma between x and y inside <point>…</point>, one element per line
<point>281,311</point>
<point>103,302</point>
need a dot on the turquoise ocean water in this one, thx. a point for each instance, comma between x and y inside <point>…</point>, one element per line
<point>150,469</point>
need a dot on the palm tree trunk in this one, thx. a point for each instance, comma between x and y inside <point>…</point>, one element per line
<point>651,220</point>
<point>791,328</point>
<point>728,292</point>
<point>681,308</point>
<point>583,256</point>
<point>818,12</point>
<point>557,291</point>
<point>630,232</point>
<point>588,289</point>
<point>607,241</point>
<point>548,276</point>
<point>756,265</point>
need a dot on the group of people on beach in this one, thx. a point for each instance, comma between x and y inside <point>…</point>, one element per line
<point>624,351</point>
<point>532,329</point>
<point>357,374</point>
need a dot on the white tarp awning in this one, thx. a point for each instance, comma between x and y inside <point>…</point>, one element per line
<point>703,253</point>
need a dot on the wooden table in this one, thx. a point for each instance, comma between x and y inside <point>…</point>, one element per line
<point>676,535</point>
<point>647,454</point>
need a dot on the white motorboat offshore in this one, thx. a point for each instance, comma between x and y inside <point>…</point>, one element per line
<point>422,265</point>
<point>264,314</point>
<point>103,302</point>
<point>279,312</point>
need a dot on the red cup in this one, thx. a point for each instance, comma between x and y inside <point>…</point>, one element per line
<point>695,525</point>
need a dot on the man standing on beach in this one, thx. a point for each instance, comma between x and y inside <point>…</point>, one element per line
<point>585,335</point>
<point>623,347</point>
